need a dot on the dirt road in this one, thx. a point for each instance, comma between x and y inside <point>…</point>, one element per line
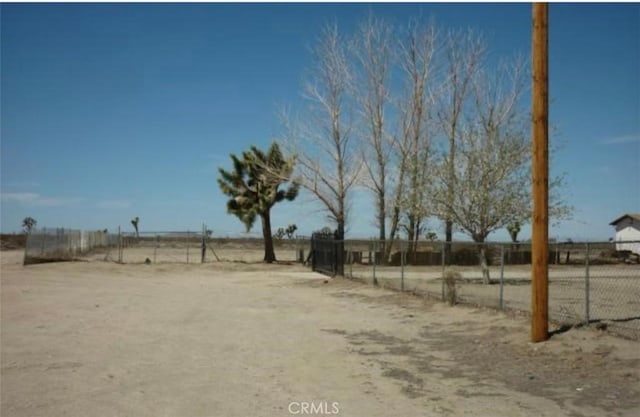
<point>231,340</point>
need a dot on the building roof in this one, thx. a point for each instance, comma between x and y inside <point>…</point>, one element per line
<point>634,216</point>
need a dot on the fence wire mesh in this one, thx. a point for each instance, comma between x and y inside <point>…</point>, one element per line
<point>194,247</point>
<point>49,245</point>
<point>590,283</point>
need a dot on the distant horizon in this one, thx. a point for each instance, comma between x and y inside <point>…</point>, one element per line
<point>458,238</point>
<point>112,111</point>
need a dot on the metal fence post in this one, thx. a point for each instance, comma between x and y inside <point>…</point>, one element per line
<point>334,257</point>
<point>444,249</point>
<point>203,244</point>
<point>402,255</point>
<point>351,260</point>
<point>586,286</point>
<point>155,248</point>
<point>502,277</point>
<point>119,245</point>
<point>341,247</point>
<point>313,253</point>
<point>375,250</point>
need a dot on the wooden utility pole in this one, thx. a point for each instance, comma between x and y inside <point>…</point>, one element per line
<point>540,173</point>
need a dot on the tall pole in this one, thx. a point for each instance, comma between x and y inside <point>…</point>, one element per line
<point>540,173</point>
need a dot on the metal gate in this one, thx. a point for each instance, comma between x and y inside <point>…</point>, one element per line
<point>327,253</point>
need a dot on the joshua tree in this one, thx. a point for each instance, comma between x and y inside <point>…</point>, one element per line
<point>135,223</point>
<point>290,230</point>
<point>253,187</point>
<point>514,229</point>
<point>28,224</point>
<point>279,235</point>
<point>431,236</point>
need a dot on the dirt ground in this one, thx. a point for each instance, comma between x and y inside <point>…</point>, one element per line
<point>231,339</point>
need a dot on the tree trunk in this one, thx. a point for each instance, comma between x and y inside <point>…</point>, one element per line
<point>269,254</point>
<point>479,239</point>
<point>411,228</point>
<point>382,217</point>
<point>448,228</point>
<point>486,278</point>
<point>340,249</point>
<point>395,221</point>
<point>448,237</point>
<point>416,236</point>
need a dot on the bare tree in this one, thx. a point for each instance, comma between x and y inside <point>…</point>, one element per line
<point>415,109</point>
<point>397,187</point>
<point>463,52</point>
<point>372,49</point>
<point>490,174</point>
<point>491,170</point>
<point>328,166</point>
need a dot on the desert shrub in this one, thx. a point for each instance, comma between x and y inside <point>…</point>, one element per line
<point>451,279</point>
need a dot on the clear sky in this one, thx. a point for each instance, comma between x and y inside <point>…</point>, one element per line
<point>111,111</point>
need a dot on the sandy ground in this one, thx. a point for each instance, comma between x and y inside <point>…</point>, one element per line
<point>100,339</point>
<point>614,291</point>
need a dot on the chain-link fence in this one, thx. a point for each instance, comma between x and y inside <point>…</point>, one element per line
<point>50,245</point>
<point>594,283</point>
<point>590,283</point>
<point>158,247</point>
<point>196,247</point>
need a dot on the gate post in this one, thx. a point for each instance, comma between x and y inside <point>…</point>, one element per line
<point>313,252</point>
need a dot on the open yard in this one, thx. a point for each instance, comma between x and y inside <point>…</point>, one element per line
<point>233,339</point>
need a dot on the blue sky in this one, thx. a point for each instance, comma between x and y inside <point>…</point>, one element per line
<point>116,111</point>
